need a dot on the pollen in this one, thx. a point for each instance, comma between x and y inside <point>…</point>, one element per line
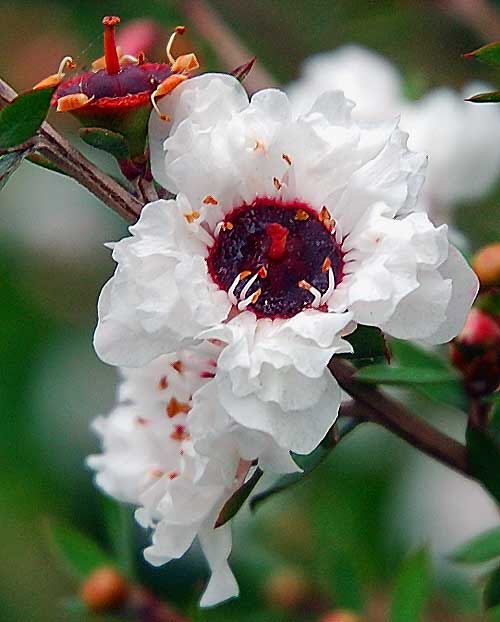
<point>263,272</point>
<point>210,200</point>
<point>192,216</point>
<point>287,158</point>
<point>178,366</point>
<point>277,183</point>
<point>301,214</point>
<point>186,62</point>
<point>156,473</point>
<point>163,384</point>
<point>174,407</point>
<point>142,421</point>
<point>326,219</point>
<point>172,474</point>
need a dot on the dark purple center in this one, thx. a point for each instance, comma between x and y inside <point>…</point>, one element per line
<point>130,80</point>
<point>287,243</point>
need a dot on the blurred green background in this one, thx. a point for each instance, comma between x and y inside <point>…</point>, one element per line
<point>373,501</point>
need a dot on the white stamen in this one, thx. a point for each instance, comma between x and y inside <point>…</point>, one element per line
<point>252,299</point>
<point>67,61</point>
<point>163,117</point>
<point>234,285</point>
<point>130,58</point>
<point>218,228</point>
<point>331,287</point>
<point>244,291</point>
<point>314,291</point>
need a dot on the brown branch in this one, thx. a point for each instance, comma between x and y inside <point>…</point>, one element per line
<point>231,51</point>
<point>376,406</point>
<point>66,157</point>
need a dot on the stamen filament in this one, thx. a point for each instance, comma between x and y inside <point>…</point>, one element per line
<point>331,287</point>
<point>244,291</point>
<point>178,31</point>
<point>234,285</point>
<point>314,291</point>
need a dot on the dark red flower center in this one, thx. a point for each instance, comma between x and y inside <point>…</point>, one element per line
<point>275,258</point>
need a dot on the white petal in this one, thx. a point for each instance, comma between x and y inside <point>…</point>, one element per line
<point>216,545</point>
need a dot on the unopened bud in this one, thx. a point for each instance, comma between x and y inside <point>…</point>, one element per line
<point>340,615</point>
<point>105,589</point>
<point>288,589</point>
<point>476,353</point>
<point>486,264</point>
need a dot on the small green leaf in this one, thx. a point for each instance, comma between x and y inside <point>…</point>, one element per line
<point>485,98</point>
<point>368,344</point>
<point>81,554</point>
<point>412,588</point>
<point>484,459</point>
<point>489,54</point>
<point>493,398</point>
<point>9,164</point>
<point>482,548</point>
<point>234,503</point>
<point>106,140</point>
<point>384,374</point>
<point>491,595</point>
<point>22,118</point>
<point>242,71</point>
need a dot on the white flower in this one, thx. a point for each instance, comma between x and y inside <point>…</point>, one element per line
<point>461,138</point>
<point>285,233</point>
<point>150,458</point>
<point>365,77</point>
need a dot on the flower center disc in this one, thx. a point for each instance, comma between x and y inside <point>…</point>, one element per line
<point>286,245</point>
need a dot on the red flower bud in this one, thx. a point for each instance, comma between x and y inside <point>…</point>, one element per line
<point>476,353</point>
<point>104,590</point>
<point>486,264</point>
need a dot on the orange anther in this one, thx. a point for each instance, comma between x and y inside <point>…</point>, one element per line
<point>209,200</point>
<point>186,62</point>
<point>263,272</point>
<point>179,433</point>
<point>178,366</point>
<point>277,183</point>
<point>50,81</point>
<point>244,274</point>
<point>287,159</point>
<point>301,214</point>
<point>327,264</point>
<point>174,407</point>
<point>73,102</point>
<point>256,296</point>
<point>192,216</point>
<point>163,384</point>
<point>304,285</point>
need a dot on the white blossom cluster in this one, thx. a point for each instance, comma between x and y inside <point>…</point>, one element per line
<point>460,138</point>
<point>229,301</point>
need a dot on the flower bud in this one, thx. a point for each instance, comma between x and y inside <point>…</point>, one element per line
<point>288,589</point>
<point>486,264</point>
<point>476,353</point>
<point>340,615</point>
<point>105,589</point>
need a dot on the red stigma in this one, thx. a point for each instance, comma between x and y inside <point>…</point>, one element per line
<point>110,53</point>
<point>278,235</point>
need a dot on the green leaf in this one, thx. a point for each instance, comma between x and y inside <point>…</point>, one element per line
<point>106,140</point>
<point>412,588</point>
<point>409,355</point>
<point>9,164</point>
<point>482,548</point>
<point>80,553</point>
<point>368,343</point>
<point>491,595</point>
<point>347,589</point>
<point>493,398</point>
<point>484,459</point>
<point>22,118</point>
<point>384,374</point>
<point>489,302</point>
<point>489,54</point>
<point>485,98</point>
<point>234,503</point>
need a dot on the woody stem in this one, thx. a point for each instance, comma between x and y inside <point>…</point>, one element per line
<point>63,154</point>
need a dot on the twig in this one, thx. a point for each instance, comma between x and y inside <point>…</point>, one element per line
<point>227,45</point>
<point>62,153</point>
<point>376,406</point>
